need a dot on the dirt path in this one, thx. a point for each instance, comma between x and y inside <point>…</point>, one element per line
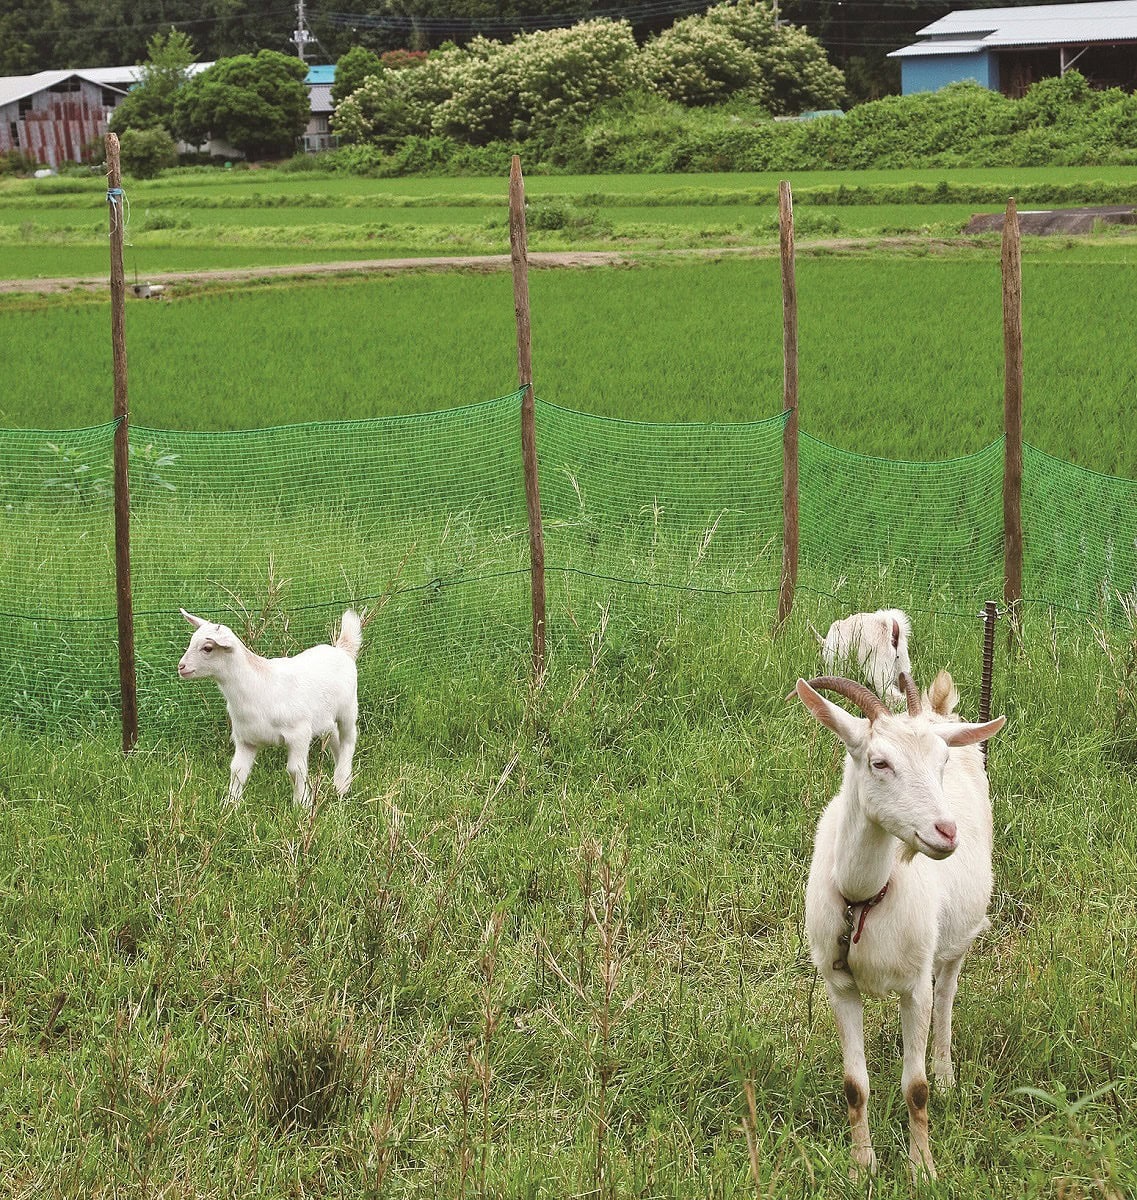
<point>482,262</point>
<point>476,262</point>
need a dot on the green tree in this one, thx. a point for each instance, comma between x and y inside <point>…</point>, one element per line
<point>150,103</point>
<point>257,102</point>
<point>352,69</point>
<point>146,151</point>
<point>738,49</point>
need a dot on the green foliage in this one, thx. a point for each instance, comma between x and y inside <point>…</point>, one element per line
<point>150,103</point>
<point>738,50</point>
<point>352,68</point>
<point>17,162</point>
<point>258,102</point>
<point>145,152</point>
<point>542,87</point>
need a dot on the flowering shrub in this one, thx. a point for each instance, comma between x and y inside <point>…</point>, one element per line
<point>398,60</point>
<point>736,49</point>
<point>542,84</point>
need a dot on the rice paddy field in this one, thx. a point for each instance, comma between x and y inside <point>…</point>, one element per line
<point>205,219</point>
<point>551,944</point>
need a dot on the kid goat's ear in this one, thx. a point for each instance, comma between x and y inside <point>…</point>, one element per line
<point>196,622</point>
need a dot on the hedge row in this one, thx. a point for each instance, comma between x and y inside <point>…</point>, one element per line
<point>1060,122</point>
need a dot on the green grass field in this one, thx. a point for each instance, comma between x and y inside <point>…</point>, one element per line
<point>553,938</point>
<point>917,336</point>
<point>404,994</point>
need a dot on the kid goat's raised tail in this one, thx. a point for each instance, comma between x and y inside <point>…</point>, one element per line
<point>350,638</point>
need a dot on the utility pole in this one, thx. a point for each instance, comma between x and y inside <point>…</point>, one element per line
<point>302,36</point>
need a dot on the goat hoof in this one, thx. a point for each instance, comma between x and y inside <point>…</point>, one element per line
<point>864,1165</point>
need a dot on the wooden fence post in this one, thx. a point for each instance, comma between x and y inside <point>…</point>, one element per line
<point>127,679</point>
<point>520,260</point>
<point>789,405</point>
<point>1012,416</point>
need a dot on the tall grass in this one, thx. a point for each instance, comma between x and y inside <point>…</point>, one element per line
<point>550,941</point>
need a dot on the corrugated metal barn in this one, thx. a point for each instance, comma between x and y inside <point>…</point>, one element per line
<point>1008,49</point>
<point>55,116</point>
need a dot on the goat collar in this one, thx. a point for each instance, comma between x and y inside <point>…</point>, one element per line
<point>848,936</point>
<point>864,906</point>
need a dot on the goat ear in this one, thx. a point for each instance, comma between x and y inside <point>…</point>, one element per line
<point>895,633</point>
<point>967,734</point>
<point>850,729</point>
<point>223,636</point>
<point>196,622</point>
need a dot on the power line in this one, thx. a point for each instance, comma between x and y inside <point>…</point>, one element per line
<point>401,22</point>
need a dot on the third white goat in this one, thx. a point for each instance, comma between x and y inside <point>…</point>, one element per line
<point>899,883</point>
<point>876,643</point>
<point>282,701</point>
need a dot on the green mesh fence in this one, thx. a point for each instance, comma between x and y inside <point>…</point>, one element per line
<point>1079,537</point>
<point>59,654</point>
<point>422,520</point>
<point>928,531</point>
<point>678,506</point>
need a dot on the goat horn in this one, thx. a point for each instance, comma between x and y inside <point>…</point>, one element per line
<point>911,692</point>
<point>864,698</point>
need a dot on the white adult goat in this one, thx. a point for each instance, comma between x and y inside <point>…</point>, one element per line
<point>282,701</point>
<point>899,883</point>
<point>876,643</point>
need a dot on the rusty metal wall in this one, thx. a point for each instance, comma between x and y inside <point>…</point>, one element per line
<point>59,127</point>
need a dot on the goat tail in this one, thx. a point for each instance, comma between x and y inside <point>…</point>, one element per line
<point>350,638</point>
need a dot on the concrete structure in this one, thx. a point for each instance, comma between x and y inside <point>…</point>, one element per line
<point>1008,49</point>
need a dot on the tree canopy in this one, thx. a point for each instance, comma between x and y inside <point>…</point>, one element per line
<point>40,34</point>
<point>257,102</point>
<point>150,103</point>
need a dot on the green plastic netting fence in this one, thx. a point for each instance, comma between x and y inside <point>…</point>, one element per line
<point>422,519</point>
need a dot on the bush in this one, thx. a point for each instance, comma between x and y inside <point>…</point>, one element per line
<point>737,49</point>
<point>17,162</point>
<point>1059,122</point>
<point>145,152</point>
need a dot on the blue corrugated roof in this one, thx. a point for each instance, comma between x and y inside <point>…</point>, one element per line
<point>321,74</point>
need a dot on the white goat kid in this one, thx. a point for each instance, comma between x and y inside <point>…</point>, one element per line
<point>899,883</point>
<point>876,644</point>
<point>282,701</point>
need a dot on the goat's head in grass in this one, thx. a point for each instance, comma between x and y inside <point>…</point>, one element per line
<point>208,647</point>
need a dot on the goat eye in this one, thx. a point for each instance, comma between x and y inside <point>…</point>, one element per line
<point>207,648</point>
<point>881,764</point>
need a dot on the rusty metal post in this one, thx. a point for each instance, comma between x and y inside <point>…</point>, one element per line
<point>789,405</point>
<point>520,260</point>
<point>989,616</point>
<point>127,677</point>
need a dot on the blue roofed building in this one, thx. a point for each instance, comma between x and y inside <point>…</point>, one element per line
<point>1008,49</point>
<point>318,135</point>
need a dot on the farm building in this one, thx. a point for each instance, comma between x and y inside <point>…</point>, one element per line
<point>318,135</point>
<point>54,116</point>
<point>1008,49</point>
